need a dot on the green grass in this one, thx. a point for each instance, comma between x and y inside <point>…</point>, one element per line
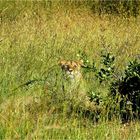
<point>33,38</point>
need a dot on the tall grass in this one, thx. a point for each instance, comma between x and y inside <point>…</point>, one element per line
<point>34,36</point>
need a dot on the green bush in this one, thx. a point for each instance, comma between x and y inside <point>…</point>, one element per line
<point>120,7</point>
<point>128,89</point>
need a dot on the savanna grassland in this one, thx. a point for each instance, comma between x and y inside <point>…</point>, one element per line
<point>34,36</point>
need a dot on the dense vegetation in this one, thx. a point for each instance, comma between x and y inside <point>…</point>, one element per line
<point>34,36</point>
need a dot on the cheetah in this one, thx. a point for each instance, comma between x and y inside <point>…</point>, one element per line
<point>74,83</point>
<point>72,69</point>
<point>76,86</point>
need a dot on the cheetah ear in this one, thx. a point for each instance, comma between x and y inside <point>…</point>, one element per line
<point>74,63</point>
<point>81,63</point>
<point>61,62</point>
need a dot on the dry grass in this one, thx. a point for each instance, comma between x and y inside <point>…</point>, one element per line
<point>31,43</point>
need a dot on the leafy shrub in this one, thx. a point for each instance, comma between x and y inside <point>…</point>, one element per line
<point>125,91</point>
<point>128,88</point>
<point>102,73</point>
<point>106,71</point>
<point>119,7</point>
<point>87,65</point>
